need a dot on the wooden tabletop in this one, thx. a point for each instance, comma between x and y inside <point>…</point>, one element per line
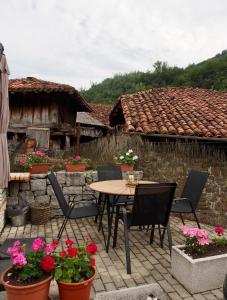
<point>116,187</point>
<point>24,176</point>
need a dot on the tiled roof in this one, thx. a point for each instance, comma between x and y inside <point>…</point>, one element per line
<point>173,111</point>
<point>101,112</point>
<point>34,85</point>
<point>88,119</point>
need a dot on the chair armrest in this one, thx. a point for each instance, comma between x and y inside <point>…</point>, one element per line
<point>187,199</point>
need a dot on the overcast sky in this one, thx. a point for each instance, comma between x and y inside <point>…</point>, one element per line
<point>82,41</point>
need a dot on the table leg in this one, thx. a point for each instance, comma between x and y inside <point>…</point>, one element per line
<point>110,213</point>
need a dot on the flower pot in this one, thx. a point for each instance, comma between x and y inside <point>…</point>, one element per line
<point>41,168</point>
<point>126,167</point>
<point>80,291</point>
<point>36,291</point>
<point>75,167</point>
<point>200,274</point>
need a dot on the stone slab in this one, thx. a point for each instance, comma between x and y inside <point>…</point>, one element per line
<point>134,293</point>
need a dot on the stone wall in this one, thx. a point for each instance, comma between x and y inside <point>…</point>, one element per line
<point>2,208</point>
<point>75,186</point>
<point>167,166</point>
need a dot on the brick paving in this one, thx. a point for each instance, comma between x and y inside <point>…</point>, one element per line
<point>149,263</point>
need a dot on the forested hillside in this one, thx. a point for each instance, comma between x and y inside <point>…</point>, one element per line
<point>209,74</point>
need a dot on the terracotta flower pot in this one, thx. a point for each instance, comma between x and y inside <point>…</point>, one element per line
<point>80,291</point>
<point>75,167</point>
<point>126,167</point>
<point>39,168</point>
<point>36,291</point>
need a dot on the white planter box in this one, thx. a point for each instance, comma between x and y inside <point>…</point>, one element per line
<point>201,274</point>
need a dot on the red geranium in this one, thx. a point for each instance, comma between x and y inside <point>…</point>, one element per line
<point>74,264</point>
<point>219,230</point>
<point>72,252</point>
<point>92,248</point>
<point>93,261</point>
<point>63,254</point>
<point>69,243</point>
<point>47,263</point>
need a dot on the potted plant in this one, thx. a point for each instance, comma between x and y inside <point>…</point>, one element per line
<point>76,164</point>
<point>35,162</point>
<point>126,160</point>
<point>200,264</point>
<point>75,271</point>
<point>30,274</point>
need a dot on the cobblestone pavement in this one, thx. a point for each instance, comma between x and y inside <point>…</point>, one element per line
<point>150,263</point>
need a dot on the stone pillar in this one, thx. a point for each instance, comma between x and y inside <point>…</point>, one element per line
<point>2,208</point>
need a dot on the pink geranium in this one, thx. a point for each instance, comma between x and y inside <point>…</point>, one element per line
<point>78,157</point>
<point>38,244</point>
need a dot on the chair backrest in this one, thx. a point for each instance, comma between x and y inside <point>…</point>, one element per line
<point>194,186</point>
<point>58,193</point>
<point>152,204</point>
<point>110,172</point>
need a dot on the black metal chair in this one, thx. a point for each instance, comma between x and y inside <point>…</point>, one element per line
<point>107,172</point>
<point>69,211</point>
<point>152,206</point>
<point>191,194</point>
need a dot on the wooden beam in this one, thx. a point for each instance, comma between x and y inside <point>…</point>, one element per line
<point>78,139</point>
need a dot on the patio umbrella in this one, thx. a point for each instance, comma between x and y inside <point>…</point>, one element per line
<point>4,120</point>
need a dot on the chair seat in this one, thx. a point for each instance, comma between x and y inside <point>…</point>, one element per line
<point>86,211</point>
<point>181,206</point>
<point>121,199</point>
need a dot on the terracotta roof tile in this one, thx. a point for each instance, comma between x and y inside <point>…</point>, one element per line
<point>174,111</point>
<point>34,85</point>
<point>101,112</point>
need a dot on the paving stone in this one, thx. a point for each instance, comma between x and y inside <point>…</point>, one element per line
<point>174,296</point>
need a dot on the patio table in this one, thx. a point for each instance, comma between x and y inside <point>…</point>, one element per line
<point>115,188</point>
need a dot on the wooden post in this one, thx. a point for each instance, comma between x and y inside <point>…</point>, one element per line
<point>78,139</point>
<point>67,142</point>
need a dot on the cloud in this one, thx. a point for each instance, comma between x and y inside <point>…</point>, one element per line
<point>79,42</point>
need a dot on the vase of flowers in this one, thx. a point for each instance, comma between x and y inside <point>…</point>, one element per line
<point>36,162</point>
<point>30,274</point>
<point>200,264</point>
<point>76,164</point>
<point>75,271</point>
<point>126,160</point>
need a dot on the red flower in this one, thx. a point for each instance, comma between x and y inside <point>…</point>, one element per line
<point>92,248</point>
<point>72,252</point>
<point>55,242</point>
<point>69,243</point>
<point>93,261</point>
<point>63,254</point>
<point>219,230</point>
<point>47,263</point>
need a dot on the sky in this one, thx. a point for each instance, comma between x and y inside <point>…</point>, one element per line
<point>79,42</point>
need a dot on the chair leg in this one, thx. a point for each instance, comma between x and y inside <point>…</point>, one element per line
<point>152,234</point>
<point>127,250</point>
<point>99,202</point>
<point>197,221</point>
<point>182,219</point>
<point>162,236</point>
<point>102,213</point>
<point>62,228</point>
<point>116,227</point>
<point>170,241</point>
